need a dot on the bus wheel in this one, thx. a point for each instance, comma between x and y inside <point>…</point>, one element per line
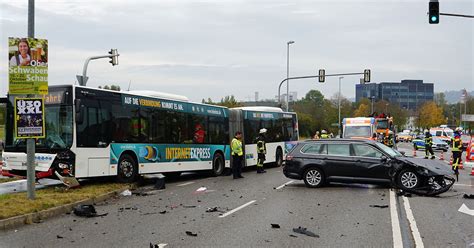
<point>278,157</point>
<point>127,169</point>
<point>218,165</point>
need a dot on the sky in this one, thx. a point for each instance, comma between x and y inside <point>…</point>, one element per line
<point>215,48</point>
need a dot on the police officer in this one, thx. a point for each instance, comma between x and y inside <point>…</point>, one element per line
<point>261,150</point>
<point>324,134</point>
<point>429,145</point>
<point>237,155</point>
<point>456,147</point>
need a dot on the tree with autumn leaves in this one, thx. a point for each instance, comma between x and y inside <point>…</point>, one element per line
<point>430,115</point>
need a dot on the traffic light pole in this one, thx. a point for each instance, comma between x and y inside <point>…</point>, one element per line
<point>457,15</point>
<point>83,79</point>
<point>315,76</point>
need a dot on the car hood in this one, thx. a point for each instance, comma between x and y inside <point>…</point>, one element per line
<point>434,166</point>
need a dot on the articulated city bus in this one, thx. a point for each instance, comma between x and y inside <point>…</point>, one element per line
<point>95,132</point>
<point>281,136</point>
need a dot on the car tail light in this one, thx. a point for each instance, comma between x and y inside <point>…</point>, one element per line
<point>289,158</point>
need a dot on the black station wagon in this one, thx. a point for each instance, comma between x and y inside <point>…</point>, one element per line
<point>364,161</point>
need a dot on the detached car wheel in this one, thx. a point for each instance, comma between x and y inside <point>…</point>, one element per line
<point>313,177</point>
<point>408,179</point>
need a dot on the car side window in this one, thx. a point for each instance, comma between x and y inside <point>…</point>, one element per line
<point>313,149</point>
<point>361,150</point>
<point>339,149</point>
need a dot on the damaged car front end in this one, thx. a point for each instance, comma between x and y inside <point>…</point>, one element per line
<point>420,176</point>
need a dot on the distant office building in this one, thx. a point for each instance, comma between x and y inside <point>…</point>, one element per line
<point>408,94</point>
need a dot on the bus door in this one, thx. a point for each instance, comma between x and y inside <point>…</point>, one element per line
<point>236,123</point>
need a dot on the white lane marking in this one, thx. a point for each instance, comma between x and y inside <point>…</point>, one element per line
<point>466,210</point>
<point>236,209</point>
<point>465,185</point>
<point>283,185</point>
<point>184,184</point>
<point>413,227</point>
<point>397,234</point>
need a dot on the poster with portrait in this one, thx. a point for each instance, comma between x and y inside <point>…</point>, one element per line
<point>29,118</point>
<point>28,66</point>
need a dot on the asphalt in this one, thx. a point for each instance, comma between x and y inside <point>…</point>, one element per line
<point>340,215</point>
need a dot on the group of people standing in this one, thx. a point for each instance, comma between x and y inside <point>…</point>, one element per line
<point>324,135</point>
<point>238,153</point>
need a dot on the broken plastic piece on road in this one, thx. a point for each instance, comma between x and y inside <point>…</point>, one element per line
<point>466,196</point>
<point>302,230</point>
<point>275,225</point>
<point>163,212</point>
<point>293,236</point>
<point>378,206</point>
<point>211,210</point>
<point>59,237</point>
<point>126,193</point>
<point>87,210</point>
<point>189,233</point>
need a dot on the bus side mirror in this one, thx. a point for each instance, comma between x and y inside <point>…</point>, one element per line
<point>79,111</point>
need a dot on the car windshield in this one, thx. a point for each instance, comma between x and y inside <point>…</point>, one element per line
<point>391,152</point>
<point>357,131</point>
<point>382,124</point>
<point>437,140</point>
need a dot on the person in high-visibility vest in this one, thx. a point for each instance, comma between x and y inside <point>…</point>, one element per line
<point>237,155</point>
<point>429,145</point>
<point>261,150</point>
<point>456,147</point>
<point>324,134</point>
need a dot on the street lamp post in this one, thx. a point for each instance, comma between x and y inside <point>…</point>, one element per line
<point>339,107</point>
<point>372,107</point>
<point>386,108</point>
<point>288,74</point>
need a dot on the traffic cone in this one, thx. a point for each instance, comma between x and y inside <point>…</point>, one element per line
<point>472,170</point>
<point>451,161</point>
<point>414,152</point>
<point>442,155</point>
<point>460,165</point>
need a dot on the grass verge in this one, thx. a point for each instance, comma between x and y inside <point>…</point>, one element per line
<point>17,203</point>
<point>4,180</point>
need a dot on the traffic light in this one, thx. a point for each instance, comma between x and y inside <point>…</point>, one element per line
<point>366,75</point>
<point>113,56</point>
<point>433,12</point>
<point>322,75</point>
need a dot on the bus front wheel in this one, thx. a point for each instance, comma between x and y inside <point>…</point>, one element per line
<point>127,169</point>
<point>218,165</point>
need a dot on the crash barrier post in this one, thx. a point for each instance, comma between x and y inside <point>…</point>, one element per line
<point>442,155</point>
<point>414,152</point>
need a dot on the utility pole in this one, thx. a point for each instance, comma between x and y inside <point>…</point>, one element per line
<point>30,143</point>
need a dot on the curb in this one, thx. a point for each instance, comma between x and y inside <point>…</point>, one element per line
<point>30,218</point>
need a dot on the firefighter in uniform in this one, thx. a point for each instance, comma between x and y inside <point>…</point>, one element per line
<point>261,150</point>
<point>237,155</point>
<point>457,152</point>
<point>324,134</point>
<point>429,145</point>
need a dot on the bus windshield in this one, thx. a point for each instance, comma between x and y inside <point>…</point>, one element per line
<point>58,124</point>
<point>357,131</point>
<point>58,117</point>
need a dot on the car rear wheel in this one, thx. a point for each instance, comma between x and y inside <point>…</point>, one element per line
<point>313,177</point>
<point>408,179</point>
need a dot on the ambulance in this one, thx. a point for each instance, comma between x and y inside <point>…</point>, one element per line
<point>359,128</point>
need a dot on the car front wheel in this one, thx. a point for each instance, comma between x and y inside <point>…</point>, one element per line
<point>313,177</point>
<point>408,179</point>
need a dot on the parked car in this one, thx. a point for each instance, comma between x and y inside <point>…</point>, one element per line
<point>438,144</point>
<point>346,160</point>
<point>404,137</point>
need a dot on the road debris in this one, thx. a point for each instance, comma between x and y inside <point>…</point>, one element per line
<point>189,233</point>
<point>87,210</point>
<point>163,212</point>
<point>302,230</point>
<point>378,206</point>
<point>160,183</point>
<point>214,209</point>
<point>190,206</point>
<point>466,196</point>
<point>126,193</point>
<point>59,237</point>
<point>275,225</point>
<point>293,236</point>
